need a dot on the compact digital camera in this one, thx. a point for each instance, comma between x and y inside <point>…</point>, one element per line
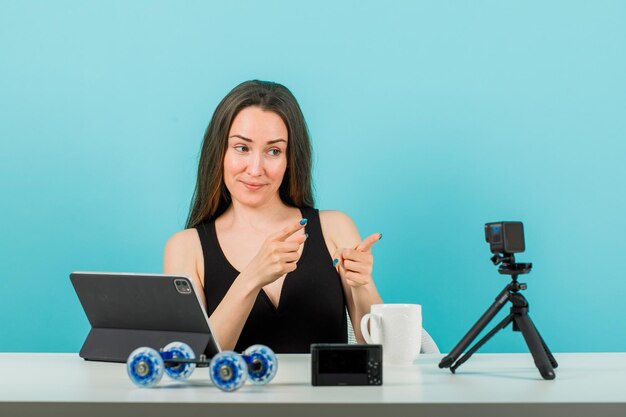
<point>344,364</point>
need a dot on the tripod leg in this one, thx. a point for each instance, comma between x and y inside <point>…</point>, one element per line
<point>482,341</point>
<point>478,327</point>
<point>553,361</point>
<point>536,345</point>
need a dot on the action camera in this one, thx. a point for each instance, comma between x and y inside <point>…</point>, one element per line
<point>505,237</point>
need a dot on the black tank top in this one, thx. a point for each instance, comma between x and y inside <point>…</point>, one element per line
<point>311,307</point>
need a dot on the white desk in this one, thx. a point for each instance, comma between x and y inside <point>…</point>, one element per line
<point>588,384</point>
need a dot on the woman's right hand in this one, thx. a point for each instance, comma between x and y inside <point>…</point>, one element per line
<point>278,255</point>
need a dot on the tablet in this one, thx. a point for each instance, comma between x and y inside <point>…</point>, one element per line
<point>127,311</point>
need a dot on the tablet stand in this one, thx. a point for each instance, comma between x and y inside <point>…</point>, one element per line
<point>114,345</point>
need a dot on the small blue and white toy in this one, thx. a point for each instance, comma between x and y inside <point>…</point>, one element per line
<point>228,370</point>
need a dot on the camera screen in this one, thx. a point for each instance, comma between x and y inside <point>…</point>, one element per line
<point>352,361</point>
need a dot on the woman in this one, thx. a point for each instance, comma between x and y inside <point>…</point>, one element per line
<point>255,244</point>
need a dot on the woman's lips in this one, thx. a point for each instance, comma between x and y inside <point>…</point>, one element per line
<point>251,185</point>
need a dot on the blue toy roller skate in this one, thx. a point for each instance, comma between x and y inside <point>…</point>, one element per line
<point>183,359</point>
<point>228,370</point>
<point>262,364</point>
<point>145,367</point>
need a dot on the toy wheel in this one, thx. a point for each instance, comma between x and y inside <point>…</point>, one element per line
<point>180,371</point>
<point>145,367</point>
<point>262,364</point>
<point>228,371</point>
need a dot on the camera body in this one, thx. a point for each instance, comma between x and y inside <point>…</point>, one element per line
<point>505,237</point>
<point>344,364</point>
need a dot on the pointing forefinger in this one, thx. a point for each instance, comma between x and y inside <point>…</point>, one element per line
<point>368,242</point>
<point>290,230</point>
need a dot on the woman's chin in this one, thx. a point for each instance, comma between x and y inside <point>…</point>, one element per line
<point>253,201</point>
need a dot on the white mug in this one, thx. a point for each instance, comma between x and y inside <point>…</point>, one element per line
<point>398,327</point>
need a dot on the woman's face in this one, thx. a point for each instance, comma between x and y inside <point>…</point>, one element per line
<point>256,157</point>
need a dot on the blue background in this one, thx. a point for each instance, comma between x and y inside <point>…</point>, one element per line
<point>428,120</point>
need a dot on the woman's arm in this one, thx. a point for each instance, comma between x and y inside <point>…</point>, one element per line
<point>354,262</point>
<point>183,256</point>
<point>278,256</point>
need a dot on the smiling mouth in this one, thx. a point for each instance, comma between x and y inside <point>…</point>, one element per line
<point>252,186</point>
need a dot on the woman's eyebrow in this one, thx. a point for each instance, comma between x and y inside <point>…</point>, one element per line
<point>269,142</point>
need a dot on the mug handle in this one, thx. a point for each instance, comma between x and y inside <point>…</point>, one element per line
<point>364,331</point>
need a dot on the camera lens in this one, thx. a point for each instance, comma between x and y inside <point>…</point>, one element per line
<point>182,286</point>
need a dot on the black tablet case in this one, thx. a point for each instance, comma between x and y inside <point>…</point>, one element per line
<point>127,311</point>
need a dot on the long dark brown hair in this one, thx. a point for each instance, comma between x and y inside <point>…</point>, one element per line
<point>211,197</point>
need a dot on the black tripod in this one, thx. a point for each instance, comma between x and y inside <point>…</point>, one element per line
<point>544,360</point>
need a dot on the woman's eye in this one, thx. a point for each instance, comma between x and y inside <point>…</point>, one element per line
<point>274,152</point>
<point>241,148</point>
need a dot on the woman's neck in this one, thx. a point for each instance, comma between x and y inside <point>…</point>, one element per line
<point>262,218</point>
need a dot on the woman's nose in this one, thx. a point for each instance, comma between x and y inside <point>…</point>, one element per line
<point>255,167</point>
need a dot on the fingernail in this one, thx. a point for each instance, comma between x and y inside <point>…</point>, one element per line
<point>381,236</point>
<point>335,262</point>
<point>303,222</point>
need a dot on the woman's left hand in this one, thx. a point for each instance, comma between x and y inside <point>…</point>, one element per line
<point>355,265</point>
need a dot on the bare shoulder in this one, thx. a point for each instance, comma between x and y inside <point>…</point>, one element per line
<point>335,218</point>
<point>183,255</point>
<point>340,228</point>
<point>183,241</point>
